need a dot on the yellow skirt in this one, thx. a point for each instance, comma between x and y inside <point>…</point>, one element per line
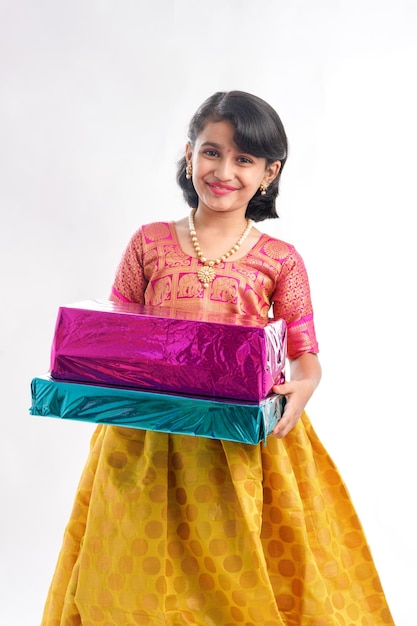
<point>174,530</point>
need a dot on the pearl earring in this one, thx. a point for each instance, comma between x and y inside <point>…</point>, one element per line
<point>263,187</point>
<point>188,171</point>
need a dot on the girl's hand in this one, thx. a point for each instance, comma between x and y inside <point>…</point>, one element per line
<point>305,376</point>
<point>297,393</point>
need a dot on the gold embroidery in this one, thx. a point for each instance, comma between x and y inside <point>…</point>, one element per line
<point>189,286</point>
<point>275,249</point>
<point>157,231</point>
<point>225,289</point>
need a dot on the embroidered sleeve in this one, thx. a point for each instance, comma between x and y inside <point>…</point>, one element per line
<point>292,302</point>
<point>130,283</point>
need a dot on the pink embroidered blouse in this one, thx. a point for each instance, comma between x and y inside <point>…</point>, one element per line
<point>154,270</point>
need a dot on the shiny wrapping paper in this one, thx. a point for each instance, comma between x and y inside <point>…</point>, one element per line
<point>159,349</point>
<point>116,406</point>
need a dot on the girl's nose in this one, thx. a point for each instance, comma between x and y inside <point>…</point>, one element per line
<point>224,169</point>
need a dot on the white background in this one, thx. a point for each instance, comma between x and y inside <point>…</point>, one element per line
<point>95,99</point>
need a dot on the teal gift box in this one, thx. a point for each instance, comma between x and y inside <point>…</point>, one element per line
<point>233,420</point>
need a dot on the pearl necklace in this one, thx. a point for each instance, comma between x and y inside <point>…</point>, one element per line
<point>206,274</point>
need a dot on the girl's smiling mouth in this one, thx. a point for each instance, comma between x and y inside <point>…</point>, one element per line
<point>220,189</point>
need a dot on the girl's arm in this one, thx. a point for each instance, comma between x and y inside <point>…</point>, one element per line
<point>305,375</point>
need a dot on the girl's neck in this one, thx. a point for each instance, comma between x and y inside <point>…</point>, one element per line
<point>230,221</point>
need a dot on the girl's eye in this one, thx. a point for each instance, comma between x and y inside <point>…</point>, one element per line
<point>244,160</point>
<point>211,153</point>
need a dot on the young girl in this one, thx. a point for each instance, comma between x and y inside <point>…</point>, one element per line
<point>174,530</point>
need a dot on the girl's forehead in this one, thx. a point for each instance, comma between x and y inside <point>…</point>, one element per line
<point>218,132</point>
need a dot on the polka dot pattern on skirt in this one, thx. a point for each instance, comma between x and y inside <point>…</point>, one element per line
<point>175,530</point>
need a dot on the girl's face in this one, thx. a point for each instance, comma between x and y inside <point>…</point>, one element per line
<point>224,177</point>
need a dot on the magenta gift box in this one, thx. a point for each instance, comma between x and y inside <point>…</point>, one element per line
<point>162,349</point>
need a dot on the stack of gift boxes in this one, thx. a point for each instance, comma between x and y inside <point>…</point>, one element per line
<point>158,369</point>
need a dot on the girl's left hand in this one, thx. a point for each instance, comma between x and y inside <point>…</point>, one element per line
<point>297,394</point>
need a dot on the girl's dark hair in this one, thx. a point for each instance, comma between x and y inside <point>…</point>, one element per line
<point>258,131</point>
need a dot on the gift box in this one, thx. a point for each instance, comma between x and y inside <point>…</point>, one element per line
<point>171,413</point>
<point>162,349</point>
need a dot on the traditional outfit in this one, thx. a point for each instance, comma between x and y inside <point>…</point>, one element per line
<point>174,530</point>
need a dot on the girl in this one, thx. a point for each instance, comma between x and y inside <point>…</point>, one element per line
<point>175,530</point>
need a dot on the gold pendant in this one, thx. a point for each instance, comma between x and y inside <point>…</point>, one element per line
<point>206,275</point>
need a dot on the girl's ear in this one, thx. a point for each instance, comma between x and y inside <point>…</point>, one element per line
<point>188,153</point>
<point>272,171</point>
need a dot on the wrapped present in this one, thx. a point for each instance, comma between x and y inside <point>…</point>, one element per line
<point>171,413</point>
<point>161,349</point>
